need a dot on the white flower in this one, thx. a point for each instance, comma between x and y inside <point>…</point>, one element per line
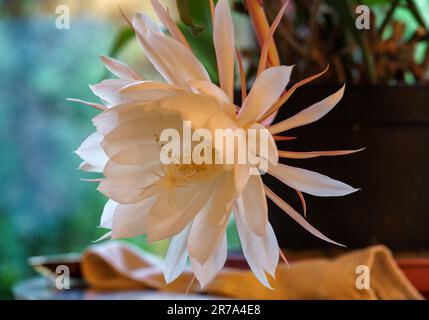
<point>192,204</point>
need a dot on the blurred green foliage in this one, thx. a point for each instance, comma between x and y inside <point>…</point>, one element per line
<point>44,207</point>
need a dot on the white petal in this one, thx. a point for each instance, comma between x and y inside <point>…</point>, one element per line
<point>241,177</point>
<point>202,110</point>
<point>166,221</point>
<point>108,91</point>
<point>177,254</point>
<point>254,205</point>
<point>106,121</point>
<point>89,104</point>
<point>175,62</point>
<point>135,142</point>
<point>310,182</point>
<point>106,220</point>
<point>261,252</point>
<point>92,153</point>
<point>309,115</point>
<point>129,220</point>
<point>149,90</point>
<point>169,23</point>
<point>120,69</point>
<point>205,237</point>
<point>272,152</point>
<point>210,89</point>
<point>128,183</point>
<point>264,93</point>
<point>223,196</point>
<point>297,217</point>
<point>206,272</point>
<point>224,42</point>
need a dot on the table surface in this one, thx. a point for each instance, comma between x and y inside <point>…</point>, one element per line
<point>39,288</point>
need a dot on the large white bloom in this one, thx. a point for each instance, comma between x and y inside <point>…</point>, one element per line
<point>192,204</point>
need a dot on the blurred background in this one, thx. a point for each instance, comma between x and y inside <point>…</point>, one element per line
<point>44,207</point>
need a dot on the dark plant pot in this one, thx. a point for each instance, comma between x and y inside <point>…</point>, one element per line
<point>393,206</point>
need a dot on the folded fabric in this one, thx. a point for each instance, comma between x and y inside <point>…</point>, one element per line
<point>118,266</point>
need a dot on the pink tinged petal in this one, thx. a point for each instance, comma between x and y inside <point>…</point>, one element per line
<point>120,69</point>
<point>149,90</point>
<point>243,81</point>
<point>143,25</point>
<point>310,182</point>
<point>91,152</point>
<point>297,217</point>
<point>224,42</point>
<point>266,90</point>
<point>182,61</point>
<point>303,203</point>
<point>106,220</point>
<point>108,91</point>
<point>89,104</point>
<point>177,254</point>
<point>261,252</point>
<point>269,39</point>
<point>169,23</point>
<point>205,273</point>
<point>254,203</point>
<point>314,154</point>
<point>85,166</point>
<point>175,62</point>
<point>309,115</point>
<point>129,220</point>
<point>283,138</point>
<point>267,122</point>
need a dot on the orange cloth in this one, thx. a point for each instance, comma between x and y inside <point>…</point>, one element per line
<point>114,265</point>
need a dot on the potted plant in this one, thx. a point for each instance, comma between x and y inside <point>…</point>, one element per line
<point>384,109</point>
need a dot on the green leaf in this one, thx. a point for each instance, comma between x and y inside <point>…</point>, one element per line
<point>122,38</point>
<point>203,48</point>
<point>197,27</point>
<point>195,14</point>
